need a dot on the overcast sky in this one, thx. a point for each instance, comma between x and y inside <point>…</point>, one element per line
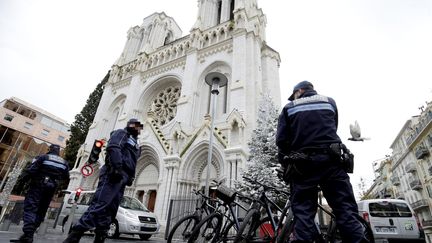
<point>374,57</point>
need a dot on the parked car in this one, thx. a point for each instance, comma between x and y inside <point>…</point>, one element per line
<point>391,219</point>
<point>132,216</point>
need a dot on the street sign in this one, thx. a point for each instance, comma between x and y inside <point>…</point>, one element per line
<point>87,170</point>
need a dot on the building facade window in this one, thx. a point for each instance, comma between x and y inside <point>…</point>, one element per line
<point>8,117</point>
<point>61,138</point>
<point>45,132</point>
<point>28,125</point>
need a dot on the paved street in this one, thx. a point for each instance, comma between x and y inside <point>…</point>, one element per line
<point>55,235</point>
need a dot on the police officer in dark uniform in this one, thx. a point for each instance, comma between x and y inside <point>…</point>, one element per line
<point>306,129</point>
<point>118,172</point>
<point>43,173</point>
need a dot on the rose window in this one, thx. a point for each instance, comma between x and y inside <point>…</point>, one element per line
<point>164,106</point>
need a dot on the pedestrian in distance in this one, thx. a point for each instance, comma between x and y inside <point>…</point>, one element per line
<point>306,137</point>
<point>122,153</point>
<point>43,173</point>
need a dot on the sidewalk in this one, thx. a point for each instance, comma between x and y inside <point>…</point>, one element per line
<point>56,236</point>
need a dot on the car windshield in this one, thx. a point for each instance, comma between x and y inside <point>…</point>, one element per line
<point>389,209</point>
<point>132,203</point>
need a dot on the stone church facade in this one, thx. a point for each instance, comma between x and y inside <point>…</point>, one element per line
<point>159,79</point>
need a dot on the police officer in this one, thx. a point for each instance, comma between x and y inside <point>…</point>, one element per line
<point>306,128</point>
<point>118,172</point>
<point>44,173</point>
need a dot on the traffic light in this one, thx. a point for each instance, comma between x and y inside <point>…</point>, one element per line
<point>77,194</point>
<point>96,150</point>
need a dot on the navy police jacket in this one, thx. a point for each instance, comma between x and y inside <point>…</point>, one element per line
<point>309,122</point>
<point>123,151</point>
<point>50,165</point>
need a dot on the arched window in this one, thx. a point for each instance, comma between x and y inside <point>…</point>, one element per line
<point>232,9</point>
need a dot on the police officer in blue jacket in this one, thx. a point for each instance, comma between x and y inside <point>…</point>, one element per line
<point>44,173</point>
<point>118,172</point>
<point>306,129</point>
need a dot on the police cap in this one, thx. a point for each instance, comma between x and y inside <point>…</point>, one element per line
<point>302,85</point>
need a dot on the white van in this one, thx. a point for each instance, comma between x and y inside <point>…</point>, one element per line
<point>391,219</point>
<point>132,216</point>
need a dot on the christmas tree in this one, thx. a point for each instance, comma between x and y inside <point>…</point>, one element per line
<point>263,162</point>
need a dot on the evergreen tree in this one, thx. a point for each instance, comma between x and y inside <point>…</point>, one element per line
<point>263,160</point>
<point>81,125</point>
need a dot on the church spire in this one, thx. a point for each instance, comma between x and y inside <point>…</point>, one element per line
<point>214,12</point>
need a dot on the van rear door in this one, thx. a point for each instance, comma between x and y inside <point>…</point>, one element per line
<point>408,224</point>
<point>392,220</point>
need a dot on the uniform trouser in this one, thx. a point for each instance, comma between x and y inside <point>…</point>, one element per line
<point>103,208</point>
<point>337,190</point>
<point>36,204</point>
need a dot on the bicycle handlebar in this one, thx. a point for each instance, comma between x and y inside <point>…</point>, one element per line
<point>266,187</point>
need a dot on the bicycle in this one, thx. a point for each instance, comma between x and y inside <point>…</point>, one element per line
<point>223,224</point>
<point>254,227</point>
<point>330,233</point>
<point>182,230</point>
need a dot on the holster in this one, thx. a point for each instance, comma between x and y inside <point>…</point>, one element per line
<point>341,153</point>
<point>289,164</point>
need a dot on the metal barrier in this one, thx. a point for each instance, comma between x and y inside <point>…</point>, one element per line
<point>14,214</point>
<point>180,207</point>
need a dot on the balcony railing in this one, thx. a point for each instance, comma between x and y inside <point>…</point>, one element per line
<point>395,180</point>
<point>398,195</point>
<point>421,152</point>
<point>410,167</point>
<point>419,204</point>
<point>427,223</point>
<point>415,184</point>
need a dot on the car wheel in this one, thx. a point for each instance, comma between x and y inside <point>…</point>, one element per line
<point>144,237</point>
<point>113,231</point>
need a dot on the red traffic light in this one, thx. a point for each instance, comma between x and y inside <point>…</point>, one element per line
<point>77,193</point>
<point>99,143</point>
<point>96,150</point>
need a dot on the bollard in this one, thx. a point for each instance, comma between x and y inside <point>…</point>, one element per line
<point>5,225</point>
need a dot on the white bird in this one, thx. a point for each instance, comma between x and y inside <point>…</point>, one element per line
<point>356,133</point>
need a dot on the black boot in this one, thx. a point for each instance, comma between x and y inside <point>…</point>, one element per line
<point>25,238</point>
<point>74,236</point>
<point>100,236</point>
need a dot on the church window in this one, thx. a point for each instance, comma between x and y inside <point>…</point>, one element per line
<point>164,105</point>
<point>219,11</point>
<point>167,38</point>
<point>232,9</point>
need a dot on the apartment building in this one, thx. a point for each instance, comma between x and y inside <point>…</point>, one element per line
<point>407,173</point>
<point>26,131</point>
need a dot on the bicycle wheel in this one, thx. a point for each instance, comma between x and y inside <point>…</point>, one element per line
<point>254,229</point>
<point>229,232</point>
<point>208,229</point>
<point>182,230</point>
<point>287,230</point>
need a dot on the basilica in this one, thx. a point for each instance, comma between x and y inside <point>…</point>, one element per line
<point>159,78</point>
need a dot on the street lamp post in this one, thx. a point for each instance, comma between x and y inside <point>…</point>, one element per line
<point>215,80</point>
